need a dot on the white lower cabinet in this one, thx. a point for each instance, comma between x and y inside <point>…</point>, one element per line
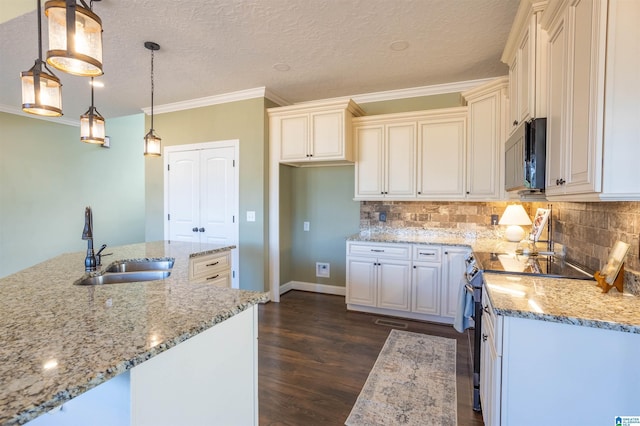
<point>411,281</point>
<point>535,372</point>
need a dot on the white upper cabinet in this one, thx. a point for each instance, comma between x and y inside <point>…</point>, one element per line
<point>315,133</point>
<point>593,139</point>
<point>444,154</point>
<point>487,124</point>
<point>386,150</point>
<point>525,55</point>
<point>441,155</point>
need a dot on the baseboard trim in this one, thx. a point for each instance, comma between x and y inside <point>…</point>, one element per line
<point>313,287</point>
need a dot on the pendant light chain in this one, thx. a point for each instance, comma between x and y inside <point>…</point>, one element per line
<point>152,88</point>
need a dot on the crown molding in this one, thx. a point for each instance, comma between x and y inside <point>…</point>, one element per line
<point>240,95</point>
<point>10,109</point>
<point>415,92</point>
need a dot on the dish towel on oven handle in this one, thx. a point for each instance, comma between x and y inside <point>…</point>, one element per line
<point>464,312</point>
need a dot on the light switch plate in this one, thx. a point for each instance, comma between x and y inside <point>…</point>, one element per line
<point>306,226</point>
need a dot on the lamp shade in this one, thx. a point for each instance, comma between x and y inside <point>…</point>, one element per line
<point>41,92</point>
<point>92,127</point>
<point>152,144</point>
<point>75,49</point>
<point>513,216</point>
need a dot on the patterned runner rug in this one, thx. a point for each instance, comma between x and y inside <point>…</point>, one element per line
<point>413,382</point>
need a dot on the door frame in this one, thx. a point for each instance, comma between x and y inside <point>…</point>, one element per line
<point>231,143</point>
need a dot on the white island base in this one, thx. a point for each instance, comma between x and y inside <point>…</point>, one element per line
<point>211,378</point>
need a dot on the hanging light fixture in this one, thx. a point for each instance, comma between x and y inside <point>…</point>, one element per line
<point>41,91</point>
<point>92,124</point>
<point>75,38</point>
<point>152,142</point>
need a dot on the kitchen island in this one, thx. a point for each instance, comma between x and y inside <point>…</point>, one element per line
<point>59,341</point>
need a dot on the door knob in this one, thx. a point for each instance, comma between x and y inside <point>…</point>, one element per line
<point>201,229</point>
<point>195,229</point>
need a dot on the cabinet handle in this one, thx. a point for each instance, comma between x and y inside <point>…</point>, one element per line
<point>427,254</point>
<point>484,337</point>
<point>562,181</point>
<point>195,229</point>
<point>213,277</point>
<point>201,229</point>
<point>213,264</point>
<point>378,250</point>
<point>515,122</point>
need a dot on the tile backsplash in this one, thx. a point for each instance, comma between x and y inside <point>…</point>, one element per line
<point>587,230</point>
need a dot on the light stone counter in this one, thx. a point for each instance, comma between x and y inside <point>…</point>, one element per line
<point>58,340</point>
<point>569,301</point>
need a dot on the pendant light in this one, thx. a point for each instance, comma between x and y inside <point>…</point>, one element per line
<point>92,124</point>
<point>152,142</point>
<point>41,91</point>
<point>75,38</point>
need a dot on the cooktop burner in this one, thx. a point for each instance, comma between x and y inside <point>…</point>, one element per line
<point>511,263</point>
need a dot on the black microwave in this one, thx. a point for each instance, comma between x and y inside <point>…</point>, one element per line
<point>526,157</point>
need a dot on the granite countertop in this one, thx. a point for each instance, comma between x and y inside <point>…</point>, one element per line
<point>569,301</point>
<point>58,340</point>
<point>486,241</point>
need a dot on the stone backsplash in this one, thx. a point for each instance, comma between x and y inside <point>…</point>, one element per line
<point>586,230</point>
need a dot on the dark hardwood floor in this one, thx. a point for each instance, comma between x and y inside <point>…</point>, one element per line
<point>314,357</point>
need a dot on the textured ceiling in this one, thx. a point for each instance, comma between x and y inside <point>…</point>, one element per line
<point>333,48</point>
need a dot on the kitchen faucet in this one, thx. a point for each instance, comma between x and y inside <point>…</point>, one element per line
<point>93,259</point>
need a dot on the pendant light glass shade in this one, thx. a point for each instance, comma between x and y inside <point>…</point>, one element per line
<point>75,38</point>
<point>152,142</point>
<point>41,89</point>
<point>41,92</point>
<point>92,124</point>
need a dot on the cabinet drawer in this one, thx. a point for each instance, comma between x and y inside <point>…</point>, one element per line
<point>208,266</point>
<point>395,251</point>
<point>217,278</point>
<point>427,253</point>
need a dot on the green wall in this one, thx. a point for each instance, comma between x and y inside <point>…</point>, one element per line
<point>242,120</point>
<point>322,196</point>
<point>47,177</point>
<point>420,103</point>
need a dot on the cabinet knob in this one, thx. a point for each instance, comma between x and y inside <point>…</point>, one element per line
<point>419,192</point>
<point>484,337</point>
<point>201,229</point>
<point>486,309</point>
<point>468,192</point>
<point>415,267</point>
<point>195,229</point>
<point>515,122</point>
<point>562,181</point>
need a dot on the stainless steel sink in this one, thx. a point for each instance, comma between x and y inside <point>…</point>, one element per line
<point>141,265</point>
<point>124,277</point>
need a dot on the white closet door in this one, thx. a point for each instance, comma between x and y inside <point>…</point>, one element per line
<point>217,203</point>
<point>184,196</point>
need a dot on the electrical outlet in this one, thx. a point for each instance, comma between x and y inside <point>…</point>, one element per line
<point>323,270</point>
<point>251,216</point>
<point>494,219</point>
<point>383,216</point>
<point>306,226</point>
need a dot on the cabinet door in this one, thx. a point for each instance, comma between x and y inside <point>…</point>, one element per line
<point>294,138</point>
<point>490,375</point>
<point>555,108</point>
<point>426,284</point>
<point>525,80</point>
<point>400,158</point>
<point>484,148</point>
<point>514,84</point>
<point>369,142</point>
<point>361,281</point>
<point>581,131</point>
<point>441,157</point>
<point>394,284</point>
<point>455,268</point>
<point>327,136</point>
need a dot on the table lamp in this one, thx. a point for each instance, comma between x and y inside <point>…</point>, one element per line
<point>514,216</point>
